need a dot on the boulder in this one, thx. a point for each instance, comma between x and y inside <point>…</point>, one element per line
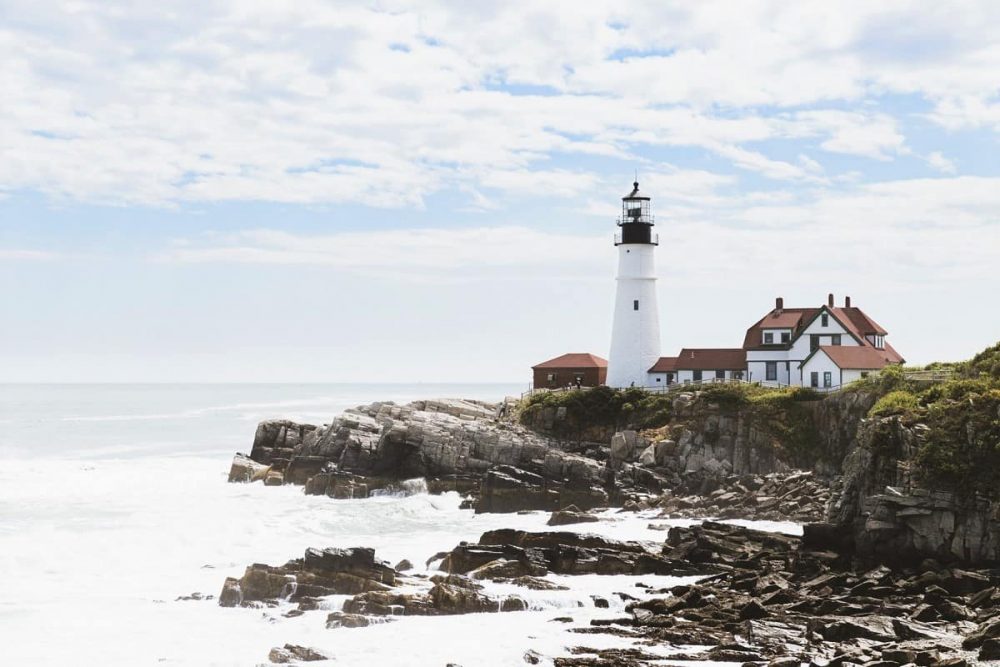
<point>564,517</point>
<point>245,469</point>
<point>339,619</point>
<point>292,653</point>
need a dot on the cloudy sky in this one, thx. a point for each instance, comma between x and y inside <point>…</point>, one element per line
<point>391,191</point>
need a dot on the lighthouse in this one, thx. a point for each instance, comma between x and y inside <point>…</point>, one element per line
<point>635,334</point>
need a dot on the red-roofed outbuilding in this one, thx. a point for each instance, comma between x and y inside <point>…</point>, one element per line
<point>575,369</point>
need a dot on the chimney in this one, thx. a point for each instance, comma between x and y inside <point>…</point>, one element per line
<point>779,304</point>
<point>847,302</point>
<point>829,300</point>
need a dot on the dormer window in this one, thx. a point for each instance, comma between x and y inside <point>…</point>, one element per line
<point>824,320</point>
<point>768,338</point>
<point>786,336</point>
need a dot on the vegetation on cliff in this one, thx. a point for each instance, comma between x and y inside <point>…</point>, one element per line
<point>959,449</point>
<point>600,408</point>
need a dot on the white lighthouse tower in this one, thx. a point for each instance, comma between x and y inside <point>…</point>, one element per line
<point>635,335</point>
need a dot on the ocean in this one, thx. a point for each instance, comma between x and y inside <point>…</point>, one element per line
<point>114,504</point>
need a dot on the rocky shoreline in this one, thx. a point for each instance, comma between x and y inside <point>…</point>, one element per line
<point>885,574</point>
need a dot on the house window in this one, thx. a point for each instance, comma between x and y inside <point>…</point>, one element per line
<point>768,338</point>
<point>864,374</point>
<point>697,376</point>
<point>824,320</point>
<point>835,339</point>
<point>659,379</point>
<point>827,379</point>
<point>786,336</point>
<point>635,305</point>
<point>814,379</point>
<point>670,378</point>
<point>720,375</point>
<point>880,342</point>
<point>813,342</point>
<point>771,371</point>
<point>737,375</point>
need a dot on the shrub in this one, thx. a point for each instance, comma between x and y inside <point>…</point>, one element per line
<point>986,364</point>
<point>962,448</point>
<point>894,403</point>
<point>601,407</point>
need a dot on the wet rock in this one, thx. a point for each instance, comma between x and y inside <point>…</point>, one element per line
<point>990,650</point>
<point>293,653</point>
<point>319,573</point>
<point>339,619</point>
<point>404,565</point>
<point>245,469</point>
<point>564,518</point>
<point>231,595</point>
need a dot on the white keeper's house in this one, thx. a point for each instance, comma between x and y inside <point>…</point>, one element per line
<point>824,348</point>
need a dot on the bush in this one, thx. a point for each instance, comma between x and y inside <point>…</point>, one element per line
<point>601,407</point>
<point>962,448</point>
<point>986,364</point>
<point>894,403</point>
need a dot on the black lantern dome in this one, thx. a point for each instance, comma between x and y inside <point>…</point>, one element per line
<point>636,222</point>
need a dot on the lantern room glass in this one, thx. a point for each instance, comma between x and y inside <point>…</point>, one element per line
<point>635,210</point>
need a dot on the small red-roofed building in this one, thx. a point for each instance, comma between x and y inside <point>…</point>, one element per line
<point>576,369</point>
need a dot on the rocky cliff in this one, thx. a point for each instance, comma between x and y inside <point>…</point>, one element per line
<point>454,444</point>
<point>908,478</point>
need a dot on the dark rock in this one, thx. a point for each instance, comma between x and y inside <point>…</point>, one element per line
<point>245,469</point>
<point>339,619</point>
<point>564,517</point>
<point>292,653</point>
<point>873,628</point>
<point>231,595</point>
<point>752,611</point>
<point>990,650</point>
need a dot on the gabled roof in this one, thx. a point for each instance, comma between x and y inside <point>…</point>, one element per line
<point>575,360</point>
<point>851,357</point>
<point>786,318</point>
<point>664,365</point>
<point>712,359</point>
<point>852,319</point>
<point>861,321</point>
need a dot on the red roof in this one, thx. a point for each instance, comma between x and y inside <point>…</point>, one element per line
<point>575,360</point>
<point>712,359</point>
<point>856,357</point>
<point>853,319</point>
<point>787,318</point>
<point>664,365</point>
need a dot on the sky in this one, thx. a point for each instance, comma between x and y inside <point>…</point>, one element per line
<point>389,191</point>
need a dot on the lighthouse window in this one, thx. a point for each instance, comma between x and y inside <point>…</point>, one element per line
<point>635,305</point>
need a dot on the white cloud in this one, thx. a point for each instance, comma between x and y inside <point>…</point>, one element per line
<point>312,102</point>
<point>869,135</point>
<point>937,160</point>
